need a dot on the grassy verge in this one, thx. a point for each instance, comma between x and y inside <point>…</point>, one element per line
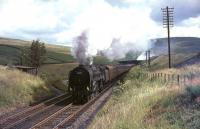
<point>18,88</point>
<point>56,75</point>
<point>142,103</point>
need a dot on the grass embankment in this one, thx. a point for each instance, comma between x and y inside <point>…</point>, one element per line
<point>151,104</point>
<point>18,88</point>
<point>56,75</point>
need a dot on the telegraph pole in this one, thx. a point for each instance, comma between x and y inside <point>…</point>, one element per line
<point>149,60</point>
<point>146,58</point>
<point>168,23</point>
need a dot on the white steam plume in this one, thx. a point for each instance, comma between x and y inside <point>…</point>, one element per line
<point>118,49</point>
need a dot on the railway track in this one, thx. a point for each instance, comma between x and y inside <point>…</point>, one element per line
<point>56,113</point>
<point>29,116</point>
<point>67,115</point>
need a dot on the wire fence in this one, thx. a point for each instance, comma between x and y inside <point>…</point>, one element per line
<point>175,79</point>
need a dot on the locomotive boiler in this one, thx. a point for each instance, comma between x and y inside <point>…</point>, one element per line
<point>86,81</point>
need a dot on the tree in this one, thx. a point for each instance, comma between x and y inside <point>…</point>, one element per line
<point>37,53</point>
<point>24,57</point>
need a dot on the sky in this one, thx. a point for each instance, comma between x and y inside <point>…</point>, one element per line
<point>133,22</point>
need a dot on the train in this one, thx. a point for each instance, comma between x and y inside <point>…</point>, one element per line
<point>87,81</point>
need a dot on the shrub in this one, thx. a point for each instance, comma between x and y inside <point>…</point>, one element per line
<point>193,91</point>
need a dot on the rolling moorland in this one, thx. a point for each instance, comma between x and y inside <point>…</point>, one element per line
<point>153,104</point>
<point>10,50</point>
<point>182,49</point>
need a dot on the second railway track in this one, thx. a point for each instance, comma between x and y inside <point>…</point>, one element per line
<point>24,118</point>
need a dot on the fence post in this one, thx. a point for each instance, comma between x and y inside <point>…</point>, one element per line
<point>178,79</point>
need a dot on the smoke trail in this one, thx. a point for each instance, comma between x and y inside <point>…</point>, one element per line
<point>118,49</point>
<point>80,49</point>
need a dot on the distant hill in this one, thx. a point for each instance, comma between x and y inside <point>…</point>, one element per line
<point>178,45</point>
<point>10,50</point>
<point>182,49</point>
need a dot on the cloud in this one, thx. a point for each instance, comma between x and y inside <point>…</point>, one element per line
<point>37,16</point>
<point>195,22</point>
<point>105,22</point>
<point>118,3</point>
<point>183,9</point>
<point>131,21</point>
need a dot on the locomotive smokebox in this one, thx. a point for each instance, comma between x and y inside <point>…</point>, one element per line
<point>81,65</point>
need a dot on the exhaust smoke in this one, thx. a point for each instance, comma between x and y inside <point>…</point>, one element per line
<point>119,50</point>
<point>80,49</point>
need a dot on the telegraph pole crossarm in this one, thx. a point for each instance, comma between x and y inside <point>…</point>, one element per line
<point>168,23</point>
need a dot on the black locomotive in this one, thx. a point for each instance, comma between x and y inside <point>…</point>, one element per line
<point>86,81</point>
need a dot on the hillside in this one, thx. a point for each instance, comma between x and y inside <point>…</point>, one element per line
<point>10,50</point>
<point>142,102</point>
<point>182,49</point>
<point>178,45</point>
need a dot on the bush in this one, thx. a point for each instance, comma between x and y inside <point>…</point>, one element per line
<point>193,91</point>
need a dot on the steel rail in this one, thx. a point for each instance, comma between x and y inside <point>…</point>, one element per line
<point>8,126</point>
<point>30,109</point>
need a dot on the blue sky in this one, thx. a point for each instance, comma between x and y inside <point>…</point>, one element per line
<point>131,21</point>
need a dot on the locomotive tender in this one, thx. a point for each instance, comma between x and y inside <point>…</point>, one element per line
<point>86,81</point>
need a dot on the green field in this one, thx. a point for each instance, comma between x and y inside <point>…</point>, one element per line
<point>10,50</point>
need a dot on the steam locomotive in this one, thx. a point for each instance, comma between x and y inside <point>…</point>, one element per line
<point>86,81</point>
